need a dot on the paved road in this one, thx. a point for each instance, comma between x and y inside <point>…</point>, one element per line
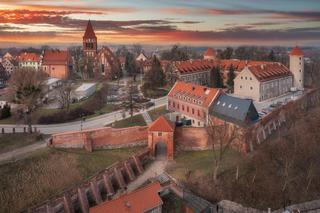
<point>91,123</point>
<point>20,153</point>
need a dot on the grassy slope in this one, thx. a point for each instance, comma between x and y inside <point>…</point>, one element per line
<point>155,113</point>
<point>10,142</point>
<point>48,172</point>
<point>136,120</point>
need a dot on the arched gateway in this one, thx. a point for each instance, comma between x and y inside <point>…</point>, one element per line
<point>161,131</point>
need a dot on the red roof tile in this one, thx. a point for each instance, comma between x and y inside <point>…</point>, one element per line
<point>209,52</point>
<point>204,96</point>
<point>89,31</point>
<point>24,57</point>
<point>138,201</point>
<point>162,125</point>
<point>55,57</point>
<point>296,51</point>
<point>271,71</point>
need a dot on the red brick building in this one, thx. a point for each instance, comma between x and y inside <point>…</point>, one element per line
<point>191,102</point>
<point>143,200</point>
<point>57,63</point>
<point>90,43</point>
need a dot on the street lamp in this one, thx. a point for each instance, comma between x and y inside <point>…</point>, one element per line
<point>83,119</point>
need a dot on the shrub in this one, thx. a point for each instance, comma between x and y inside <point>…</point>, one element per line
<point>5,112</point>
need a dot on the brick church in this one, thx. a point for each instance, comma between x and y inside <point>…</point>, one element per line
<point>104,63</point>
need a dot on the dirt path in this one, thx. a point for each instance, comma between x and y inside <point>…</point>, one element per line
<point>156,168</point>
<point>21,153</point>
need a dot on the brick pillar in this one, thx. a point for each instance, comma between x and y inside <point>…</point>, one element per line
<point>67,204</point>
<point>108,184</point>
<point>119,178</point>
<point>2,131</point>
<point>13,130</point>
<point>35,129</point>
<point>95,191</point>
<point>138,164</point>
<point>87,142</point>
<point>129,170</point>
<point>83,201</point>
<point>24,129</point>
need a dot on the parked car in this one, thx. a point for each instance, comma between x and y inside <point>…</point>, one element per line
<point>149,104</point>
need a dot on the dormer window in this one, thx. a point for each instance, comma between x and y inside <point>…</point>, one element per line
<point>235,108</point>
<point>223,104</point>
<point>218,103</point>
<point>230,105</point>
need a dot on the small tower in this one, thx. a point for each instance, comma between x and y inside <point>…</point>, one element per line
<point>297,67</point>
<point>90,42</point>
<point>209,54</point>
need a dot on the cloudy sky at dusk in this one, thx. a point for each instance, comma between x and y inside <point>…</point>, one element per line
<point>192,22</point>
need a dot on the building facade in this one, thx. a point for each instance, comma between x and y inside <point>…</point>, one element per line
<point>105,62</point>
<point>187,101</point>
<point>29,60</point>
<point>262,82</point>
<point>57,63</point>
<point>297,67</point>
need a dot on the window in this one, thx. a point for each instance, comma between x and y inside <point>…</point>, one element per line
<point>182,107</point>
<point>240,87</point>
<point>230,105</point>
<point>235,108</point>
<point>246,78</point>
<point>241,77</point>
<point>250,78</point>
<point>192,111</point>
<point>169,103</point>
<point>159,134</point>
<point>198,112</point>
<point>187,109</point>
<point>300,70</point>
<point>193,121</point>
<point>218,103</point>
<point>223,104</point>
<point>173,104</point>
<point>198,123</point>
<point>178,106</point>
<point>251,88</point>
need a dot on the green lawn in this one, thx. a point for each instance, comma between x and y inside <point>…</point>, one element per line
<point>48,172</point>
<point>200,163</point>
<point>136,120</point>
<point>155,113</point>
<point>155,93</point>
<point>9,142</point>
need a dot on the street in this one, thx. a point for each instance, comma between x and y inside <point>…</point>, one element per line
<point>96,122</point>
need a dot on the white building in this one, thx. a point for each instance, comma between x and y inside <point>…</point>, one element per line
<point>270,80</point>
<point>142,57</point>
<point>85,90</point>
<point>29,60</point>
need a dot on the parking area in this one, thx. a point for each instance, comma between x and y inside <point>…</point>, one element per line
<point>267,106</point>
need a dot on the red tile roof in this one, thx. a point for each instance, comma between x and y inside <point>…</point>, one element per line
<point>89,31</point>
<point>138,201</point>
<point>122,59</point>
<point>296,51</point>
<point>203,96</point>
<point>162,125</point>
<point>55,57</point>
<point>209,52</point>
<point>24,57</point>
<point>271,71</point>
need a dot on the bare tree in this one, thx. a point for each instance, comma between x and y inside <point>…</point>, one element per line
<point>221,136</point>
<point>171,75</point>
<point>64,95</point>
<point>128,102</point>
<point>26,89</point>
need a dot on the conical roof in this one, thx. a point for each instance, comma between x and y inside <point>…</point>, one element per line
<point>89,31</point>
<point>296,51</point>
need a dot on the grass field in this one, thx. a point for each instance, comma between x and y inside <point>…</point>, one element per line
<point>48,172</point>
<point>136,120</point>
<point>199,163</point>
<point>9,142</point>
<point>155,113</point>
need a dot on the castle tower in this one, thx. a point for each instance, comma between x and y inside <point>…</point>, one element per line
<point>90,41</point>
<point>297,67</point>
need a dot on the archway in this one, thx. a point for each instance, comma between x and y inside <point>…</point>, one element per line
<point>161,151</point>
<point>160,138</point>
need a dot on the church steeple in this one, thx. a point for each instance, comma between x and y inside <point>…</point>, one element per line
<point>89,41</point>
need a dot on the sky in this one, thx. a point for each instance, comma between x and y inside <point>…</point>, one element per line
<point>161,22</point>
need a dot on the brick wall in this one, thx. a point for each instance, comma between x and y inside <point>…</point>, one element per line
<point>191,138</point>
<point>102,138</point>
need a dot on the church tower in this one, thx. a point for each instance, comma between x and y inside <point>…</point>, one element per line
<point>90,42</point>
<point>297,67</point>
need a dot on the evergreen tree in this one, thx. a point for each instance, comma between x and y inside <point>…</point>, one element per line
<point>130,64</point>
<point>272,56</point>
<point>155,77</point>
<point>5,112</point>
<point>231,77</point>
<point>216,78</point>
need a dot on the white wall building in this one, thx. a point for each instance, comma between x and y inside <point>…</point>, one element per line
<point>297,68</point>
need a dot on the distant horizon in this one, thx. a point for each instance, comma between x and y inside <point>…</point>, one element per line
<point>163,22</point>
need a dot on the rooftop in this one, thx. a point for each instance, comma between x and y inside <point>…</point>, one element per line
<point>85,86</point>
<point>210,52</point>
<point>59,57</point>
<point>162,125</point>
<point>270,71</point>
<point>140,200</point>
<point>193,93</point>
<point>296,51</point>
<point>89,31</point>
<point>32,57</point>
